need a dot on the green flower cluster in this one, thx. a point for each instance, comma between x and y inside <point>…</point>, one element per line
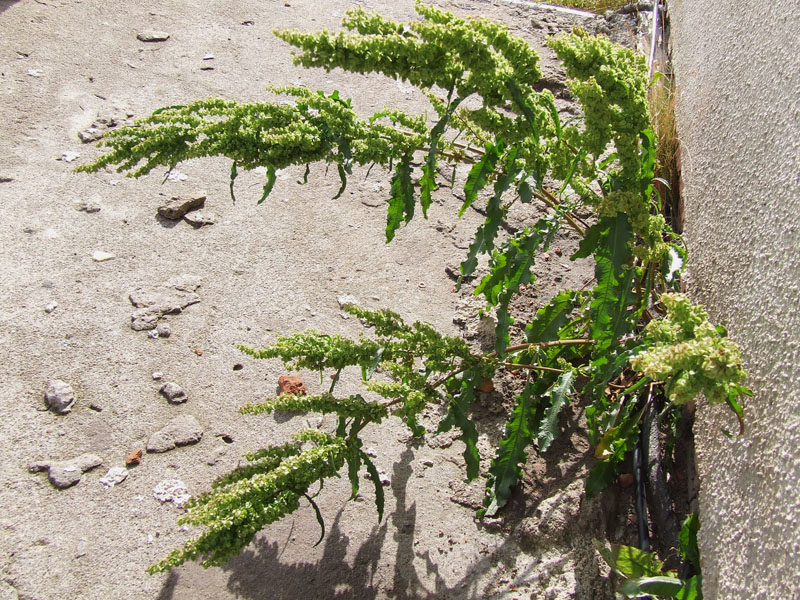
<point>611,83</point>
<point>350,407</point>
<point>650,228</point>
<point>248,499</point>
<point>476,55</point>
<point>690,354</point>
<point>314,127</point>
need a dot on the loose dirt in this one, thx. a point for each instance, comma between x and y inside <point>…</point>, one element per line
<point>76,247</point>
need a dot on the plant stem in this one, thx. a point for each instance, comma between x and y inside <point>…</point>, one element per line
<point>552,202</point>
<point>531,367</point>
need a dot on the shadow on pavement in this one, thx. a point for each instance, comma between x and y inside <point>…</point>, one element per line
<point>258,573</point>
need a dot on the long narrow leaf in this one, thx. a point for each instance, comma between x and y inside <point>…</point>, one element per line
<point>373,473</point>
<point>271,177</point>
<point>320,520</point>
<point>456,416</point>
<point>479,175</point>
<point>559,398</point>
<point>401,205</point>
<point>487,232</point>
<point>511,452</point>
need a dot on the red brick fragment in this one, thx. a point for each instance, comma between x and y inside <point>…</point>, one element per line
<point>291,384</point>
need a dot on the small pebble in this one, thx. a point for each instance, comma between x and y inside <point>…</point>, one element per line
<point>157,375</point>
<point>51,307</point>
<point>102,256</point>
<point>114,476</point>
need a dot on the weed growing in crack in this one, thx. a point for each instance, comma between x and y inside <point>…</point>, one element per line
<point>630,337</point>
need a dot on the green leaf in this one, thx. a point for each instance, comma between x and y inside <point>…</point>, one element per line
<point>320,520</point>
<point>525,109</point>
<point>687,541</point>
<point>343,179</point>
<point>601,475</point>
<point>376,360</point>
<point>658,586</point>
<point>553,317</point>
<point>612,295</point>
<point>510,268</point>
<point>630,562</point>
<point>692,589</point>
<point>591,240</point>
<point>511,455</point>
<point>373,473</point>
<point>271,177</point>
<point>485,236</point>
<point>401,205</point>
<point>456,415</point>
<point>559,398</point>
<point>479,174</point>
<point>428,180</point>
<point>353,458</point>
<point>234,175</point>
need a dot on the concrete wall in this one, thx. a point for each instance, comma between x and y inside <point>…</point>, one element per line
<point>737,67</point>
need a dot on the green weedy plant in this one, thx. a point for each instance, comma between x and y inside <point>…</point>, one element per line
<point>631,327</point>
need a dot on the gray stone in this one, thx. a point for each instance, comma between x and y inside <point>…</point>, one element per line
<point>178,206</point>
<point>90,135</point>
<point>173,392</point>
<point>163,330</point>
<point>152,36</point>
<point>181,431</point>
<point>172,490</point>
<point>87,206</point>
<point>59,397</point>
<point>347,300</point>
<point>199,219</point>
<point>51,306</point>
<point>64,474</point>
<point>114,476</point>
<point>153,303</point>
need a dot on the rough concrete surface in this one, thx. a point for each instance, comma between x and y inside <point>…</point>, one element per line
<point>738,116</point>
<point>71,70</point>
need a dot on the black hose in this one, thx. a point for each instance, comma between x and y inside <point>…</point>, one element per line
<point>641,494</point>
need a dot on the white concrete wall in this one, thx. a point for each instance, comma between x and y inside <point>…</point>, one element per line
<point>737,66</point>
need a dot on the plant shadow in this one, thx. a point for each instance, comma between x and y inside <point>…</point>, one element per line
<point>259,573</point>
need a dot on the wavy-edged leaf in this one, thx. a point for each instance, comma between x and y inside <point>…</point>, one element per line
<point>271,177</point>
<point>600,477</point>
<point>401,205</point>
<point>511,452</point>
<point>373,473</point>
<point>320,520</point>
<point>353,466</point>
<point>487,232</point>
<point>427,182</point>
<point>479,174</point>
<point>457,416</point>
<point>553,317</point>
<point>612,295</point>
<point>510,268</point>
<point>559,398</point>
